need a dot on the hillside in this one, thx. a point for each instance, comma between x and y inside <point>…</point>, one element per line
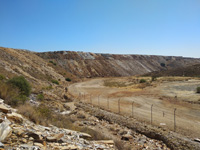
<point>15,62</point>
<point>84,64</point>
<point>189,71</point>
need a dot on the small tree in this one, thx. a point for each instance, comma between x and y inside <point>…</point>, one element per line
<point>142,81</point>
<point>68,79</point>
<point>21,83</point>
<point>162,64</point>
<point>198,89</point>
<point>55,82</point>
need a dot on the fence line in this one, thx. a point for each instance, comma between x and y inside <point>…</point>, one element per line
<point>157,115</point>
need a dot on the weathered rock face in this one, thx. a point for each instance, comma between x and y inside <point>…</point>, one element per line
<point>99,65</point>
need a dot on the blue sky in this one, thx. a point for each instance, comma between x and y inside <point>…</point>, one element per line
<point>156,27</point>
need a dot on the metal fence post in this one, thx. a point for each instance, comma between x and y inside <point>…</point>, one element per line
<point>98,101</point>
<point>79,96</point>
<point>108,103</point>
<point>151,114</point>
<point>90,99</point>
<point>132,108</point>
<point>174,119</point>
<point>119,105</point>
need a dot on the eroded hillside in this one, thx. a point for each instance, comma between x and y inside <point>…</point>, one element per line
<point>100,65</point>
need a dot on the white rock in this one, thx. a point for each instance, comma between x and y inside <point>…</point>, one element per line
<point>5,129</point>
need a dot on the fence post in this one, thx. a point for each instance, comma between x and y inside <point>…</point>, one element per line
<point>98,101</point>
<point>90,99</point>
<point>132,108</point>
<point>119,105</point>
<point>174,119</point>
<point>108,102</point>
<point>151,114</point>
<point>79,96</point>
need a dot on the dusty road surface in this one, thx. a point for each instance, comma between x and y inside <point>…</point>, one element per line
<point>154,103</point>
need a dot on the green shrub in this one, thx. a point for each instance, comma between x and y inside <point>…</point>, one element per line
<point>21,83</point>
<point>2,77</point>
<point>40,97</point>
<point>55,82</point>
<point>52,62</point>
<point>11,94</point>
<point>162,64</point>
<point>68,79</point>
<point>142,81</point>
<point>198,89</point>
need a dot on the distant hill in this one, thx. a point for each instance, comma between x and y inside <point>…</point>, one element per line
<point>83,64</point>
<point>59,65</point>
<point>190,71</point>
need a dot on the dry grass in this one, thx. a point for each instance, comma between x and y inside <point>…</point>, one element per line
<point>8,93</point>
<point>121,146</point>
<point>45,116</point>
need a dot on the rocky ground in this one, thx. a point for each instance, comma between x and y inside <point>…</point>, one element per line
<point>132,127</point>
<point>18,133</point>
<point>124,137</point>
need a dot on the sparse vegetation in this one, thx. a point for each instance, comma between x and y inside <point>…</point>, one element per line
<point>153,78</point>
<point>142,81</point>
<point>40,97</point>
<point>47,87</point>
<point>198,89</point>
<point>68,79</point>
<point>55,81</point>
<point>2,77</point>
<point>52,62</point>
<point>44,115</point>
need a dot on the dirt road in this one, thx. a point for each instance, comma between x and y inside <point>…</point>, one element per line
<point>161,98</point>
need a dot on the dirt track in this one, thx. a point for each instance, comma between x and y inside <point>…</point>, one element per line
<point>161,95</point>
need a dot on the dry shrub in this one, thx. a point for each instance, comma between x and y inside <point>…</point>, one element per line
<point>38,115</point>
<point>45,116</point>
<point>8,93</point>
<point>121,146</point>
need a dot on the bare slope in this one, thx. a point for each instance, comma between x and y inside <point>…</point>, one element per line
<point>100,65</point>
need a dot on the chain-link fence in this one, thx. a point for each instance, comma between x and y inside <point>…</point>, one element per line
<point>178,120</point>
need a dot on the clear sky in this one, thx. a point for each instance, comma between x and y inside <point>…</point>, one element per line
<point>156,27</point>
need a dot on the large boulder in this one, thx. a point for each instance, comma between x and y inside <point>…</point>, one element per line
<point>5,130</point>
<point>55,138</point>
